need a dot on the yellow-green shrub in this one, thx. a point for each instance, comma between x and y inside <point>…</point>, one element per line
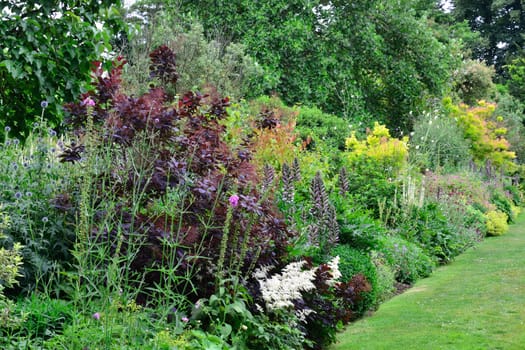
<point>10,259</point>
<point>10,262</point>
<point>380,148</point>
<point>485,131</point>
<point>496,223</point>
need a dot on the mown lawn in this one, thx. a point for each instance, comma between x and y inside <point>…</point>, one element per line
<point>476,302</point>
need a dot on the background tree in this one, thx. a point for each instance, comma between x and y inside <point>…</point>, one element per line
<point>355,59</point>
<point>501,24</point>
<point>46,54</point>
<point>516,81</point>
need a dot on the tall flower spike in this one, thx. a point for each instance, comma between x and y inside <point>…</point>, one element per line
<point>288,184</point>
<point>332,225</point>
<point>269,177</point>
<point>320,198</point>
<point>313,234</point>
<point>296,170</point>
<point>344,185</point>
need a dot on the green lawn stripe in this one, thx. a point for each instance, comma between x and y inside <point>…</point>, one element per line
<point>476,302</point>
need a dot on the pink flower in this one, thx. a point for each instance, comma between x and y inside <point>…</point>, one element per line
<point>96,316</point>
<point>185,319</point>
<point>88,102</point>
<point>234,200</point>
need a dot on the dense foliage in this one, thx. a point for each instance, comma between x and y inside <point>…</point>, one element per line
<point>167,212</point>
<point>371,58</point>
<point>47,53</point>
<point>500,24</point>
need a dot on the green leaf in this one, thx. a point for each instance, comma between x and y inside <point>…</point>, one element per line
<point>238,306</point>
<point>14,68</point>
<point>225,330</point>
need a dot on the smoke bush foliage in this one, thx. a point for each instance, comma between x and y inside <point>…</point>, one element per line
<point>187,152</point>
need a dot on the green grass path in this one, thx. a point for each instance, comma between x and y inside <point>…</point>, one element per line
<point>476,302</point>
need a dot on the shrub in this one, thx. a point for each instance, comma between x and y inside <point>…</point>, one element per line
<point>155,146</point>
<point>475,219</point>
<point>437,144</point>
<point>408,260</point>
<point>351,263</point>
<point>373,166</point>
<point>437,230</point>
<point>503,204</point>
<point>473,81</point>
<point>386,278</point>
<point>358,228</point>
<point>387,153</point>
<point>318,128</point>
<point>496,223</point>
<point>485,131</point>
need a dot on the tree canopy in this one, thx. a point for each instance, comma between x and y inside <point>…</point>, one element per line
<point>46,55</point>
<point>356,58</point>
<point>501,24</point>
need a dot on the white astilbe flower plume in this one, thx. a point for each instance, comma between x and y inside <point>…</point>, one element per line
<point>262,272</point>
<point>280,290</point>
<point>334,268</point>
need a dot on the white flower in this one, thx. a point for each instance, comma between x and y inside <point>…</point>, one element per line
<point>334,268</point>
<point>280,290</point>
<point>262,272</point>
<point>301,314</point>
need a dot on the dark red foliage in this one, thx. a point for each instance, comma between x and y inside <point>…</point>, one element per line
<point>331,303</point>
<point>71,153</point>
<point>267,120</point>
<point>163,65</point>
<point>349,293</point>
<point>106,87</point>
<point>187,150</point>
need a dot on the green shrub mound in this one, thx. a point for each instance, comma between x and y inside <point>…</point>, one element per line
<point>317,128</point>
<point>440,233</point>
<point>353,262</point>
<point>503,204</point>
<point>496,223</point>
<point>410,262</point>
<point>357,227</point>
